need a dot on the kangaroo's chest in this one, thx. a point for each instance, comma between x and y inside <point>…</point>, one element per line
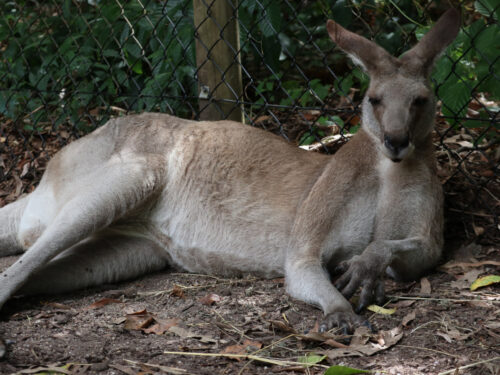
<point>352,228</point>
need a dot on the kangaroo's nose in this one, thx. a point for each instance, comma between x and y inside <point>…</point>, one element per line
<point>396,143</point>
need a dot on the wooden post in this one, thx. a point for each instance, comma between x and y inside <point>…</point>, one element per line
<point>218,59</point>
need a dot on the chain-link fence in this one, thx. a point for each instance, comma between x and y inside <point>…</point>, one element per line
<point>67,66</point>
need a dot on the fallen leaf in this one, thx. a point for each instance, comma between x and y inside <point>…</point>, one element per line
<point>464,281</point>
<point>311,359</point>
<point>281,326</point>
<point>485,281</point>
<point>187,334</point>
<point>125,369</point>
<point>138,320</point>
<point>403,303</point>
<point>478,231</point>
<point>408,318</point>
<point>385,339</point>
<point>177,291</point>
<point>234,349</point>
<point>161,326</point>
<point>425,286</point>
<point>343,370</point>
<point>251,345</point>
<point>260,119</point>
<point>444,336</point>
<point>248,346</point>
<point>381,310</point>
<point>103,302</point>
<point>454,334</point>
<point>210,299</point>
<point>361,335</point>
<point>58,306</point>
<point>322,337</point>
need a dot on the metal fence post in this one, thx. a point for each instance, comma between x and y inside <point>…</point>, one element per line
<point>218,62</point>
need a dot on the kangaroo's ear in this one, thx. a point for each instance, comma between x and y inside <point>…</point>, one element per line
<point>420,59</point>
<point>362,51</point>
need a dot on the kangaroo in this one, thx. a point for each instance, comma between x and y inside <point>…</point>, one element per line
<point>147,191</point>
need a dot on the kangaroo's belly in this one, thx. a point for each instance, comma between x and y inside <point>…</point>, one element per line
<point>208,240</point>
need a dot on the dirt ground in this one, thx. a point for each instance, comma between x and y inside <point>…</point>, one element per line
<point>168,323</point>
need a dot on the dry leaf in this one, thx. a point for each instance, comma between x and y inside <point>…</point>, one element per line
<point>177,291</point>
<point>466,265</point>
<point>408,318</point>
<point>103,302</point>
<point>234,349</point>
<point>454,334</point>
<point>161,326</point>
<point>252,345</point>
<point>464,281</point>
<point>210,299</point>
<point>187,334</point>
<point>247,347</point>
<point>361,336</point>
<point>138,320</point>
<point>385,339</point>
<point>403,303</point>
<point>425,286</point>
<point>58,306</point>
<point>281,326</point>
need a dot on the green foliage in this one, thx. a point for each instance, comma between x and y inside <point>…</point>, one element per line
<point>75,57</point>
<point>470,65</point>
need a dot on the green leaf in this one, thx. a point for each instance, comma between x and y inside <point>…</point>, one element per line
<point>455,95</point>
<point>307,139</point>
<point>485,281</point>
<point>488,8</point>
<point>311,359</point>
<point>343,370</point>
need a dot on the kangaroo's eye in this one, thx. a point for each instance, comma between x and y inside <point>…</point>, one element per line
<point>420,101</point>
<point>374,100</point>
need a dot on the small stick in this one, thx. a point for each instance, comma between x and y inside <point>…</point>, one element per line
<point>468,366</point>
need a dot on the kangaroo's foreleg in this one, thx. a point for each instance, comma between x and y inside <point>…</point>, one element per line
<point>306,280</point>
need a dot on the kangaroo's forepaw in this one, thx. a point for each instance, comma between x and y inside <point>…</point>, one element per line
<point>346,321</point>
<point>363,273</point>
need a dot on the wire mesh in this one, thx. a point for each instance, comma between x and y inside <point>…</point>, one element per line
<point>67,66</point>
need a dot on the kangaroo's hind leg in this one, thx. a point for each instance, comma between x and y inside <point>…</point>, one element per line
<point>101,198</point>
<point>10,217</point>
<point>104,258</point>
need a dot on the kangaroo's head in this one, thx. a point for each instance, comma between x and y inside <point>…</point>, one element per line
<point>399,106</point>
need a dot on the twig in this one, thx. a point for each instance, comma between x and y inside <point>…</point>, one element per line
<point>167,291</point>
<point>470,213</point>
<point>271,361</point>
<point>430,350</point>
<point>468,366</point>
<point>238,331</point>
<point>443,299</point>
<point>404,14</point>
<point>169,369</point>
<point>264,348</point>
